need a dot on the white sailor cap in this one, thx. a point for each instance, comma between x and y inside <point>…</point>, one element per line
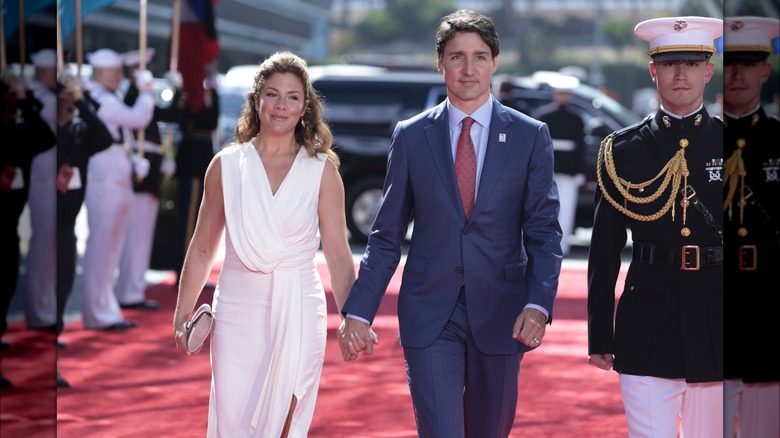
<point>46,58</point>
<point>680,39</point>
<point>104,58</point>
<point>557,81</point>
<point>133,58</point>
<point>749,38</point>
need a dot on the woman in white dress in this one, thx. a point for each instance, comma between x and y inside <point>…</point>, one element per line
<point>276,194</point>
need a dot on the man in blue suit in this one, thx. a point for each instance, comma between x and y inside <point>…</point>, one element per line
<point>482,268</point>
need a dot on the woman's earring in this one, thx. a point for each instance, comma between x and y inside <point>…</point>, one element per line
<point>303,124</point>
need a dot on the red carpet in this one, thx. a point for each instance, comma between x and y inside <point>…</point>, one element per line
<point>135,384</point>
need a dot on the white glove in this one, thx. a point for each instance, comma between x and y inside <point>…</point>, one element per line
<point>140,167</point>
<point>174,79</point>
<point>168,167</point>
<point>143,79</point>
<point>211,82</point>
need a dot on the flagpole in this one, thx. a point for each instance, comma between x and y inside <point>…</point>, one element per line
<point>140,140</point>
<point>3,63</point>
<point>174,67</point>
<point>22,48</point>
<point>60,61</point>
<point>79,43</point>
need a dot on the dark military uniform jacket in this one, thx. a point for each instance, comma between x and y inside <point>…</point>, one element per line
<point>196,149</point>
<point>565,124</point>
<point>752,243</point>
<point>23,139</point>
<point>669,321</point>
<point>173,113</point>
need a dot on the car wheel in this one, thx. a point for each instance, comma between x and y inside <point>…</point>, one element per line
<point>362,204</point>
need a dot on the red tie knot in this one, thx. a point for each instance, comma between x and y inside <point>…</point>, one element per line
<point>466,123</point>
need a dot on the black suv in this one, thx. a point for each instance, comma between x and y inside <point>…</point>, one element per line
<point>364,103</point>
<point>601,115</point>
<point>362,106</point>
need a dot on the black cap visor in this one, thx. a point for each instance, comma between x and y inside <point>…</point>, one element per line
<point>752,56</point>
<point>681,56</point>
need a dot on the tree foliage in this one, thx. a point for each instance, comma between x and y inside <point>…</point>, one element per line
<point>404,21</point>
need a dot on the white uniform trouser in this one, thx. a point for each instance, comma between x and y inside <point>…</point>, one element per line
<point>40,295</point>
<point>137,250</point>
<point>108,199</point>
<point>751,409</point>
<point>659,408</point>
<point>568,191</point>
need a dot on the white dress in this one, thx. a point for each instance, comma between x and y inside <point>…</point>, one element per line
<point>269,305</point>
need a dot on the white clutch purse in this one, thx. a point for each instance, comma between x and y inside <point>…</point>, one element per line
<point>199,327</point>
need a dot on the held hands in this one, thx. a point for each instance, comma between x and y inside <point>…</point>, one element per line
<point>355,336</point>
<point>529,327</point>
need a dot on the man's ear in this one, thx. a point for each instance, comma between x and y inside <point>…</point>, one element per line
<point>710,71</point>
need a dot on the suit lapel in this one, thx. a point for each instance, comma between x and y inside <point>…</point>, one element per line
<point>437,134</point>
<point>495,155</point>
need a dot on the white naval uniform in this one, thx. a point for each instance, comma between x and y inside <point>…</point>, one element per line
<point>40,296</point>
<point>109,199</point>
<point>137,249</point>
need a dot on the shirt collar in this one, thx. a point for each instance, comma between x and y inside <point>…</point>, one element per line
<point>481,115</point>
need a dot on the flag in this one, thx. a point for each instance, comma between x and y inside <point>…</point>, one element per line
<point>197,48</point>
<point>67,11</point>
<point>11,13</point>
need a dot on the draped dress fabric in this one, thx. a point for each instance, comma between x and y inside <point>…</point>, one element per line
<point>269,304</point>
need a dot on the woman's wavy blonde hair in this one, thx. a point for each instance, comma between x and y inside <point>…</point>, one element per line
<point>311,132</point>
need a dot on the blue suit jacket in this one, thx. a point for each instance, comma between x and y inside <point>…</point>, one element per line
<point>508,252</point>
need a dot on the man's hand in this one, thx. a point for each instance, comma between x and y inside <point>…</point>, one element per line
<point>529,327</point>
<point>356,336</point>
<point>603,361</point>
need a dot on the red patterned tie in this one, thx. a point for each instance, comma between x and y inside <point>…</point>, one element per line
<point>466,166</point>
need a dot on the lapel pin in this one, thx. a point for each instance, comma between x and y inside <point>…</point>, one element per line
<point>502,138</point>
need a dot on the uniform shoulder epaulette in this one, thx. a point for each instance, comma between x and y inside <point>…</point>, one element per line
<point>631,128</point>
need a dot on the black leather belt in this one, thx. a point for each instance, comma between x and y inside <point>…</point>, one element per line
<point>687,258</point>
<point>715,226</point>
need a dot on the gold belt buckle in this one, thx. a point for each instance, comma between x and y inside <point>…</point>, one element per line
<point>687,262</point>
<point>748,257</point>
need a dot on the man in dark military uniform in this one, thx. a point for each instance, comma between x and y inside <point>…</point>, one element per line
<point>751,229</point>
<point>568,134</point>
<point>24,138</point>
<point>193,156</point>
<point>662,180</point>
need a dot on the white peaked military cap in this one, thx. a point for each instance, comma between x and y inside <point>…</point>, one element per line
<point>680,39</point>
<point>749,38</point>
<point>556,80</point>
<point>46,58</point>
<point>133,57</point>
<point>104,58</point>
